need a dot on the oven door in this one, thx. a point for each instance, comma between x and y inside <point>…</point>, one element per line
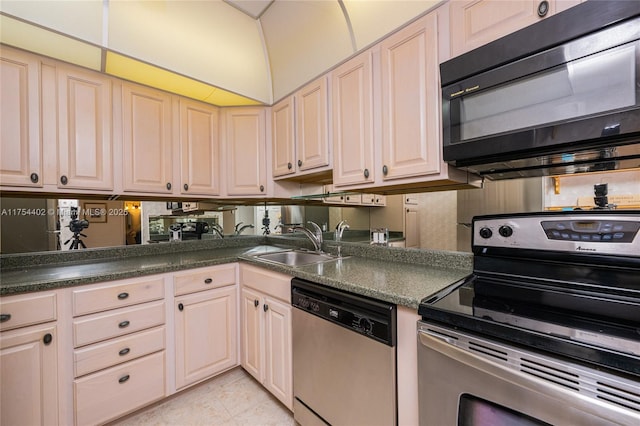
<point>466,380</point>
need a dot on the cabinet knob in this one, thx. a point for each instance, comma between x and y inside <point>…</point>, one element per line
<point>299,163</point>
<point>366,173</point>
<point>34,177</point>
<point>265,307</point>
<point>385,170</point>
<point>64,180</point>
<point>208,280</point>
<point>261,188</point>
<point>256,303</point>
<point>124,351</point>
<point>5,317</point>
<point>123,295</point>
<point>168,186</point>
<point>124,324</point>
<point>543,8</point>
<point>180,307</point>
<point>47,339</point>
<point>186,187</point>
<point>124,379</point>
<point>289,166</point>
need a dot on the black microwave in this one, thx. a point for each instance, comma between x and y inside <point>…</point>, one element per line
<point>560,96</point>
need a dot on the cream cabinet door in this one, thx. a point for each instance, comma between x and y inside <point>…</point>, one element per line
<point>206,330</point>
<point>199,148</point>
<point>411,227</point>
<point>478,22</point>
<point>312,126</point>
<point>352,109</point>
<point>251,334</point>
<point>245,141</point>
<point>283,137</point>
<point>21,147</point>
<point>411,101</point>
<point>29,376</point>
<point>279,367</point>
<point>85,159</point>
<point>147,146</point>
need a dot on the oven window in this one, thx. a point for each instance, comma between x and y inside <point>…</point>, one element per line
<point>473,411</point>
<point>595,84</point>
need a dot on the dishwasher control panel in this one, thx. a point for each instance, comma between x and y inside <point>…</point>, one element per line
<point>368,317</point>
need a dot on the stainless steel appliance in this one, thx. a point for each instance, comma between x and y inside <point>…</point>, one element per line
<point>560,96</point>
<point>546,330</point>
<point>344,357</point>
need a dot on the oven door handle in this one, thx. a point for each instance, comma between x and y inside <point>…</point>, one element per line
<point>445,345</point>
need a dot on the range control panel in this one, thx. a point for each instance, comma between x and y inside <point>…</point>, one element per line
<point>588,232</point>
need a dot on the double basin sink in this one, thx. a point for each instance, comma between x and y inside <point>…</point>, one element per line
<point>297,257</point>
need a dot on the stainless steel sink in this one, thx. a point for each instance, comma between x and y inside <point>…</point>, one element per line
<point>297,258</point>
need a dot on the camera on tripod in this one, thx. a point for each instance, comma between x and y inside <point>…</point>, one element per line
<point>76,226</point>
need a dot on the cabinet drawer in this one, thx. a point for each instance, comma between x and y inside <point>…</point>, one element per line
<point>272,283</point>
<point>98,327</point>
<point>204,279</point>
<point>111,393</point>
<point>123,293</point>
<point>116,351</point>
<point>24,310</point>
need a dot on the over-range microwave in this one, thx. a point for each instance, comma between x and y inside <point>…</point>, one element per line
<point>560,96</point>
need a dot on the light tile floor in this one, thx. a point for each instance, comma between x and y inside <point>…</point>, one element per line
<point>232,399</point>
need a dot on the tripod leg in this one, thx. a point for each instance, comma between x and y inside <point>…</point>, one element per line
<point>82,244</point>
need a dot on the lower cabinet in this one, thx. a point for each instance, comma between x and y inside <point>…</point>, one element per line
<point>266,330</point>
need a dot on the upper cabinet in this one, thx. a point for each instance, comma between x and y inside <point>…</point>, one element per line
<point>411,101</point>
<point>300,132</point>
<point>85,158</point>
<point>199,148</point>
<point>352,109</point>
<point>245,141</point>
<point>478,22</point>
<point>146,140</point>
<point>21,147</point>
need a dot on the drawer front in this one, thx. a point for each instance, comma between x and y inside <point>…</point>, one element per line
<point>204,279</point>
<point>272,283</point>
<point>111,393</point>
<point>116,351</point>
<point>124,293</point>
<point>98,327</point>
<point>24,310</point>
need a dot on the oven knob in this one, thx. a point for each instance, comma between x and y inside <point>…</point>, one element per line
<point>506,231</point>
<point>485,233</point>
<point>365,324</point>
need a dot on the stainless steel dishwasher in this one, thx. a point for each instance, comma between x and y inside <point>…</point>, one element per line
<point>344,357</point>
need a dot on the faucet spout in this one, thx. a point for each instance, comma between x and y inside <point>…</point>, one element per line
<point>340,228</point>
<point>217,229</point>
<point>242,228</point>
<point>317,244</point>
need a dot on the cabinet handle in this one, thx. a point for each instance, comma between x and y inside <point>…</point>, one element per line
<point>47,339</point>
<point>543,8</point>
<point>256,303</point>
<point>180,307</point>
<point>34,177</point>
<point>299,163</point>
<point>124,324</point>
<point>385,170</point>
<point>208,280</point>
<point>124,351</point>
<point>64,180</point>
<point>261,188</point>
<point>289,166</point>
<point>123,379</point>
<point>169,186</point>
<point>5,317</point>
<point>265,307</point>
<point>366,173</point>
<point>186,187</point>
<point>123,295</point>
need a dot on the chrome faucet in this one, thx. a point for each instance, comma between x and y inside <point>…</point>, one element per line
<point>215,227</point>
<point>340,228</point>
<point>239,229</point>
<point>315,237</point>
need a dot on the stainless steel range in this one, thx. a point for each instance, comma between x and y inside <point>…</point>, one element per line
<point>546,330</point>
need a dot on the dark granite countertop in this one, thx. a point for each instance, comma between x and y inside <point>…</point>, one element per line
<point>401,276</point>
